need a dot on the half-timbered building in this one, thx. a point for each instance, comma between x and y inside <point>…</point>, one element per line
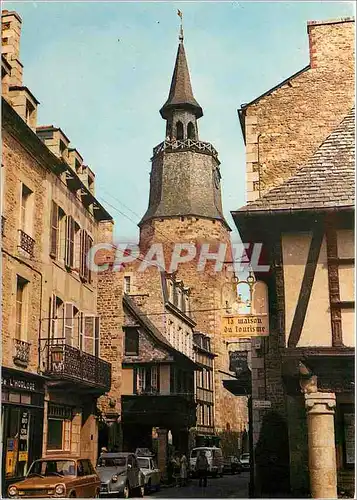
<point>305,368</point>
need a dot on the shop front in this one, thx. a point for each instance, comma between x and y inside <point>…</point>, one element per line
<point>22,423</point>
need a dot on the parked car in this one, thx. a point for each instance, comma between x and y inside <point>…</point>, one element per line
<point>151,472</point>
<point>214,457</point>
<point>120,475</point>
<point>245,461</point>
<point>58,477</point>
<point>232,464</point>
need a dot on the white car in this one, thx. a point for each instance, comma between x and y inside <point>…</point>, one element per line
<point>245,461</point>
<point>151,472</point>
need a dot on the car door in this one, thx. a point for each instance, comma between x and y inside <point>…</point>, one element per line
<point>91,484</point>
<point>81,481</point>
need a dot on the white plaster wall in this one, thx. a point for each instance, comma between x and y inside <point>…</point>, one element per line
<point>348,327</point>
<point>295,249</point>
<point>346,274</point>
<point>345,243</point>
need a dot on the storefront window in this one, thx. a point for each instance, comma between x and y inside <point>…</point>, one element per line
<point>54,434</point>
<point>16,459</point>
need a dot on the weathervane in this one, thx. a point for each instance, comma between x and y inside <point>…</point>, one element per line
<point>179,13</point>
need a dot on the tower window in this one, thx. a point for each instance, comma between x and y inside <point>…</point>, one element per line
<point>179,130</point>
<point>191,133</point>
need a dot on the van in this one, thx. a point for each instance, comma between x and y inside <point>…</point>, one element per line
<point>215,460</point>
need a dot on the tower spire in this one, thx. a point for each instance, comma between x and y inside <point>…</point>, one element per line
<point>181,95</point>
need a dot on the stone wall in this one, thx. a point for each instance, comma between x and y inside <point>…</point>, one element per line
<point>285,126</point>
<point>209,291</point>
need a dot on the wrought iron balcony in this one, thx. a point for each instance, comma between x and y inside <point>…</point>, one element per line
<point>26,242</point>
<point>21,355</point>
<point>64,362</point>
<point>186,145</point>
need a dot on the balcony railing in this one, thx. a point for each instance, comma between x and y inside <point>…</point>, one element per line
<point>186,144</point>
<point>26,242</point>
<point>21,353</point>
<point>65,362</point>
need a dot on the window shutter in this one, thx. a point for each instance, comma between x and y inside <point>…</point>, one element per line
<point>82,253</point>
<point>71,242</point>
<point>53,323</point>
<point>154,378</point>
<point>96,337</point>
<point>68,323</point>
<point>54,230</point>
<point>81,331</point>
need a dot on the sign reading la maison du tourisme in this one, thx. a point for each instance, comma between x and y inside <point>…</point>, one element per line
<point>245,326</point>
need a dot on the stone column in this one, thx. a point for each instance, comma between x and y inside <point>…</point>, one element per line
<point>320,408</point>
<point>162,451</point>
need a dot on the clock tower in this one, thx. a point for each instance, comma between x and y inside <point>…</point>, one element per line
<point>185,206</point>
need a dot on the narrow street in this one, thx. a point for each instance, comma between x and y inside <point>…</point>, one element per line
<point>229,486</point>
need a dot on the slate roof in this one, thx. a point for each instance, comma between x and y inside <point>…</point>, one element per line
<point>181,95</point>
<point>152,329</point>
<point>326,180</point>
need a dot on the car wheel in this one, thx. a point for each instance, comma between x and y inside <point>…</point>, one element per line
<point>126,491</point>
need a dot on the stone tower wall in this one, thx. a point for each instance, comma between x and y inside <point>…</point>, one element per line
<point>209,292</point>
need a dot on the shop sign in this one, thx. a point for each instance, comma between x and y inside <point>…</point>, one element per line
<point>238,362</point>
<point>261,404</point>
<point>237,326</point>
<point>14,383</point>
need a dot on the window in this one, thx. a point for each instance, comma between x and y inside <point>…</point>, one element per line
<point>127,283</point>
<point>69,241</point>
<point>86,468</point>
<point>191,133</point>
<point>20,306</point>
<point>56,317</point>
<point>89,334</point>
<point>71,321</point>
<point>54,434</point>
<point>54,230</point>
<point>25,215</point>
<point>131,342</point>
<point>179,130</point>
<point>86,244</point>
<point>147,379</point>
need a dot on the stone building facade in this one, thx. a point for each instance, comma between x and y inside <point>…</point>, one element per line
<point>304,217</point>
<point>286,124</point>
<point>52,373</point>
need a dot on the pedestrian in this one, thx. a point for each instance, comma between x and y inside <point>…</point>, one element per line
<point>183,469</point>
<point>176,464</point>
<point>202,468</point>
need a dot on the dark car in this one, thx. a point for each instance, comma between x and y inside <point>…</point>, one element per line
<point>120,475</point>
<point>232,465</point>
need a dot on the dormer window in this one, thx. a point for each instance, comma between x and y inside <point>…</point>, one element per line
<point>63,148</point>
<point>30,111</point>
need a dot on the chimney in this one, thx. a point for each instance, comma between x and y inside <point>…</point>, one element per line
<point>10,41</point>
<point>332,44</point>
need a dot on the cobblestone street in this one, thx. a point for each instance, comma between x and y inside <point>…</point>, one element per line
<point>226,487</point>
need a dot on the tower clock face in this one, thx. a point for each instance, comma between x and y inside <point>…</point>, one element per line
<point>217,177</point>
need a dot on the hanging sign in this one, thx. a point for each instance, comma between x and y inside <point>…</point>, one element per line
<point>236,326</point>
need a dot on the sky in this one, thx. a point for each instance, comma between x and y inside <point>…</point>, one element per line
<point>102,70</point>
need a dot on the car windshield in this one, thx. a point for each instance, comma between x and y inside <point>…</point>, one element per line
<point>195,453</point>
<point>112,462</point>
<point>143,463</point>
<point>53,468</point>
